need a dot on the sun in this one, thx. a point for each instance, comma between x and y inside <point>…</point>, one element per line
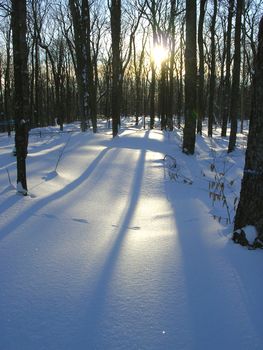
<point>159,55</point>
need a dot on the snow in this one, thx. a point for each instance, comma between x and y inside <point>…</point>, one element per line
<point>251,233</point>
<point>20,189</point>
<point>111,251</point>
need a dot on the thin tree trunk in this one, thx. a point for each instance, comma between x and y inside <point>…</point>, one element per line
<point>200,101</point>
<point>116,64</point>
<point>180,83</point>
<point>80,69</point>
<point>92,98</point>
<point>21,110</point>
<point>212,74</point>
<point>235,92</point>
<point>49,121</point>
<point>37,84</point>
<point>7,89</point>
<point>152,96</point>
<point>226,88</point>
<point>163,96</point>
<point>190,79</point>
<point>170,106</point>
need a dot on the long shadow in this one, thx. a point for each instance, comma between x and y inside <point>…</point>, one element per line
<point>201,287</point>
<point>214,299</point>
<point>9,162</point>
<point>6,161</point>
<point>94,312</point>
<point>11,200</point>
<point>23,217</point>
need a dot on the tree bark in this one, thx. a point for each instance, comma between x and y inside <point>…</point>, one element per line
<point>226,87</point>
<point>235,93</point>
<point>212,74</point>
<point>250,207</point>
<point>200,101</point>
<point>115,10</point>
<point>138,78</point>
<point>170,102</point>
<point>92,96</point>
<point>163,96</point>
<point>7,86</point>
<point>152,95</point>
<point>21,89</point>
<point>190,79</point>
<point>80,70</point>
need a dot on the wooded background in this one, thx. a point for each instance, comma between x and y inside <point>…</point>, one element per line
<point>84,54</point>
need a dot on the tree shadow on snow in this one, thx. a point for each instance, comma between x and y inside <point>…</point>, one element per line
<point>25,215</point>
<point>94,313</point>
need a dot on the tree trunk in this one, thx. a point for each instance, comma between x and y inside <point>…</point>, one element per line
<point>152,96</point>
<point>47,110</point>
<point>212,74</point>
<point>235,93</point>
<point>190,79</point>
<point>250,207</point>
<point>21,91</point>
<point>242,99</point>
<point>80,61</point>
<point>200,101</point>
<point>180,83</point>
<point>170,102</point>
<point>92,96</point>
<point>163,96</point>
<point>7,89</point>
<point>226,88</point>
<point>138,77</point>
<point>115,10</point>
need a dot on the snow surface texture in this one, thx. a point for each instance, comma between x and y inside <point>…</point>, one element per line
<point>111,252</point>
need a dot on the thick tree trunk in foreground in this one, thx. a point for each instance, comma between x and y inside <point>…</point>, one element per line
<point>250,207</point>
<point>21,107</point>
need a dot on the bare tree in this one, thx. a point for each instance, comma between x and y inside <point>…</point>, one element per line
<point>226,84</point>
<point>21,110</point>
<point>138,66</point>
<point>190,78</point>
<point>84,68</point>
<point>235,91</point>
<point>121,55</point>
<point>115,10</point>
<point>212,74</point>
<point>153,7</point>
<point>200,101</point>
<point>171,31</point>
<point>7,78</point>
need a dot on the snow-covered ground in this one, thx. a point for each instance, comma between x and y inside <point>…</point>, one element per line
<point>116,248</point>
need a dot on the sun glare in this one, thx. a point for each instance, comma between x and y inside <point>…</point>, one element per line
<point>159,55</point>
